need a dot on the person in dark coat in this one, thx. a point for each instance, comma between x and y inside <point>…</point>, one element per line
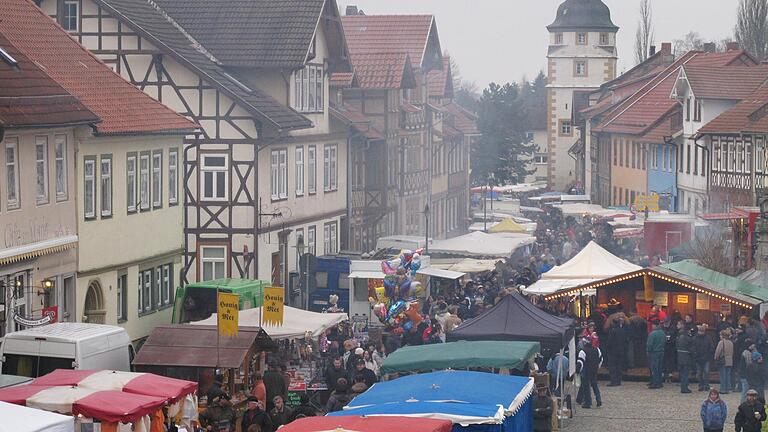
<point>368,375</point>
<point>275,384</point>
<point>655,348</point>
<point>684,347</point>
<point>589,361</point>
<point>542,411</point>
<point>339,397</point>
<point>255,415</point>
<point>756,375</point>
<point>305,409</point>
<point>703,353</point>
<point>616,350</point>
<point>751,414</point>
<point>335,371</point>
<point>669,362</point>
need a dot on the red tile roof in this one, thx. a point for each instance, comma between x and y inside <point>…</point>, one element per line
<point>646,107</point>
<point>369,34</point>
<point>440,81</point>
<point>382,70</point>
<point>749,115</point>
<point>123,108</point>
<point>358,120</point>
<point>726,82</point>
<point>461,119</point>
<point>29,97</point>
<point>342,79</point>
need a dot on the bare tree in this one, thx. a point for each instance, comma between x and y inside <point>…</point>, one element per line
<point>644,35</point>
<point>752,27</point>
<point>692,41</point>
<point>709,249</point>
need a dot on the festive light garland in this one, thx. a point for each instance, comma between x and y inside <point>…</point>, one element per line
<point>653,274</point>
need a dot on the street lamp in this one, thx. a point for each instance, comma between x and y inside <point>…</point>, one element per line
<point>426,234</point>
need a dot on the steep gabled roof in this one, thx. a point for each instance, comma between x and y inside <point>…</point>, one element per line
<point>123,108</point>
<point>342,79</point>
<point>263,33</point>
<point>31,98</point>
<point>461,119</point>
<point>749,115</point>
<point>726,82</point>
<point>641,111</point>
<point>383,70</point>
<point>414,34</point>
<point>440,81</point>
<point>153,24</point>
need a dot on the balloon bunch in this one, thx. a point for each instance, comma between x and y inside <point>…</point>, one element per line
<point>396,303</point>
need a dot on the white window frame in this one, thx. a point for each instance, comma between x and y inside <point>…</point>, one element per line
<point>148,276</point>
<point>579,40</point>
<point>279,174</point>
<point>89,185</point>
<point>122,281</point>
<point>105,181</point>
<point>41,169</point>
<point>216,177</point>
<point>60,154</point>
<point>140,296</point>
<point>13,189</point>
<point>173,176</point>
<point>311,239</point>
<point>213,261</point>
<point>580,68</point>
<point>145,186</point>
<point>157,179</point>
<point>166,289</point>
<point>309,89</point>
<point>312,169</point>
<point>330,167</point>
<point>67,18</point>
<point>299,162</point>
<point>157,289</point>
<point>131,186</point>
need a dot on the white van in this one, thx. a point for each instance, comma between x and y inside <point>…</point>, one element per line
<point>37,351</point>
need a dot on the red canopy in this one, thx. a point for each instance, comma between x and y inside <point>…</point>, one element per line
<point>170,389</point>
<point>18,395</point>
<point>63,377</point>
<point>116,406</point>
<point>368,424</point>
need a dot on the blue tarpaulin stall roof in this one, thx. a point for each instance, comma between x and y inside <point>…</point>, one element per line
<point>465,398</point>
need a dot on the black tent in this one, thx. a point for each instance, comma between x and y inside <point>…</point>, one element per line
<point>516,319</point>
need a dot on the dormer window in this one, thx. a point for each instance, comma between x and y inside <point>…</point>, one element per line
<point>581,38</point>
<point>309,89</point>
<point>71,15</point>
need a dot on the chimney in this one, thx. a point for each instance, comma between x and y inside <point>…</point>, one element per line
<point>652,51</point>
<point>732,46</point>
<point>351,10</point>
<point>666,47</point>
<point>710,47</point>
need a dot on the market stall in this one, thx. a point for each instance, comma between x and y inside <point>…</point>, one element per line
<point>467,265</point>
<point>462,355</point>
<point>16,418</point>
<point>480,244</point>
<point>296,322</point>
<point>367,424</point>
<point>470,400</point>
<point>591,264</point>
<point>196,353</point>
<point>516,319</point>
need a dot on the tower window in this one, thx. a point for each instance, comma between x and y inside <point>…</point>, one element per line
<point>581,38</point>
<point>603,38</point>
<point>565,128</point>
<point>558,38</point>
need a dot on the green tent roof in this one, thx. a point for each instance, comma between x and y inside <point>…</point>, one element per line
<point>694,271</point>
<point>232,284</point>
<point>460,355</point>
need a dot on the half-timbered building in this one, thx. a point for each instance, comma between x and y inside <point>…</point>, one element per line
<point>263,175</point>
<point>117,174</point>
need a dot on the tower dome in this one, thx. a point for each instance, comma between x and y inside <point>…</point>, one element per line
<point>583,15</point>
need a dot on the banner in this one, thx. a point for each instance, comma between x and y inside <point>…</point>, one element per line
<point>274,301</point>
<point>227,313</point>
<point>650,202</point>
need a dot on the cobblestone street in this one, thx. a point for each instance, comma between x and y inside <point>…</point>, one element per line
<point>633,407</point>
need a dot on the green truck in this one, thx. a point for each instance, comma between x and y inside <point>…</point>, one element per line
<point>197,301</point>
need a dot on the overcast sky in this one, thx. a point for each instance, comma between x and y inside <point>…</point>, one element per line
<point>504,40</point>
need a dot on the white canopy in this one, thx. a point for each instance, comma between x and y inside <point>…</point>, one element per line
<point>582,209</point>
<point>16,418</point>
<point>468,265</point>
<point>296,322</point>
<point>481,244</point>
<point>593,263</point>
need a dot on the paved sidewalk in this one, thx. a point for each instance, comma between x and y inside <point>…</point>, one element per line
<point>633,407</point>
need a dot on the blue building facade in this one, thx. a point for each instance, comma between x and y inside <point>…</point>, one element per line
<point>662,175</point>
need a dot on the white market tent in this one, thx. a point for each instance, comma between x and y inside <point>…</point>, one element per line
<point>480,244</point>
<point>468,265</point>
<point>296,322</point>
<point>591,264</point>
<point>17,418</point>
<point>583,209</point>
